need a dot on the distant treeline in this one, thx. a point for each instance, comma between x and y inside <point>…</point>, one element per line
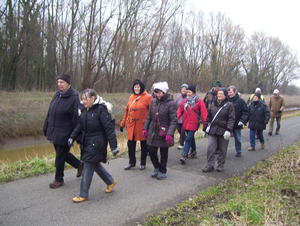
<point>106,44</point>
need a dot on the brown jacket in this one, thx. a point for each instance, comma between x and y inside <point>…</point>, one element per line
<point>167,110</point>
<point>137,115</point>
<point>276,104</point>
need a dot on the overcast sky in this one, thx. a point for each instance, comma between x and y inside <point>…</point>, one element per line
<point>278,18</point>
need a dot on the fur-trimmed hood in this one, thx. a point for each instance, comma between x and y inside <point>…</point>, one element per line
<point>100,100</point>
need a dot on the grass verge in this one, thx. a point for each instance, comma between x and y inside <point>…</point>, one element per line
<point>268,194</point>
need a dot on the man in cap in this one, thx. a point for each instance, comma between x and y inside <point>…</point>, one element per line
<point>211,95</point>
<point>276,106</point>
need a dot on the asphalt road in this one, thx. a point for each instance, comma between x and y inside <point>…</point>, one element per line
<point>31,202</point>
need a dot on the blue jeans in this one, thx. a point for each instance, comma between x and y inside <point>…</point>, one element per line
<point>252,137</point>
<point>189,142</point>
<point>238,140</point>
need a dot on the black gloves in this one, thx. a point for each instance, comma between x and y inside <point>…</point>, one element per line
<point>121,129</point>
<point>279,111</point>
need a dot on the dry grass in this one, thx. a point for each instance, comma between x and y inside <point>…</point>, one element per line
<point>23,113</point>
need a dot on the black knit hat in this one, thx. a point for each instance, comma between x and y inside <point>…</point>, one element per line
<point>224,90</point>
<point>258,95</point>
<point>65,77</point>
<point>192,88</point>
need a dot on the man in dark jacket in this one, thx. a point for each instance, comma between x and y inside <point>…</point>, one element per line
<point>259,116</point>
<point>241,117</point>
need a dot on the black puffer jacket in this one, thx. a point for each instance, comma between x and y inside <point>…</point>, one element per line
<point>259,115</point>
<point>97,128</point>
<point>241,111</point>
<point>224,120</point>
<point>62,117</point>
<point>167,111</point>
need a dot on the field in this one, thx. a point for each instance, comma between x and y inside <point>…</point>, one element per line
<point>22,114</point>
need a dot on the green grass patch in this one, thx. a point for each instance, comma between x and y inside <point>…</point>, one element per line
<point>268,194</point>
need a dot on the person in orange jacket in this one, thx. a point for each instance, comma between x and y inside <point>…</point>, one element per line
<point>135,116</point>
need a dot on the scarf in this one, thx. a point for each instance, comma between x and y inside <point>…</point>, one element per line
<point>191,101</point>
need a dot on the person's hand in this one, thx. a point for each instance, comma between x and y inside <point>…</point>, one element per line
<point>203,133</point>
<point>145,133</point>
<point>279,111</point>
<point>45,132</point>
<point>121,129</point>
<point>227,135</point>
<point>169,139</point>
<point>70,142</point>
<point>115,151</point>
<point>241,124</point>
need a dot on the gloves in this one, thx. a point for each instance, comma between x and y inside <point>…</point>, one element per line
<point>70,142</point>
<point>145,133</point>
<point>203,133</point>
<point>227,135</point>
<point>45,132</point>
<point>121,129</point>
<point>279,111</point>
<point>241,124</point>
<point>115,151</point>
<point>169,139</point>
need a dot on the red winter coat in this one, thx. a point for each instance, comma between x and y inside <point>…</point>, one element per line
<point>190,119</point>
<point>137,116</point>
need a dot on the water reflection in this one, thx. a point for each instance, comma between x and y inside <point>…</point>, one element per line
<point>13,154</point>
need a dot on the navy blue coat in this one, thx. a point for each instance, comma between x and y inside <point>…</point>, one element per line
<point>97,128</point>
<point>259,115</point>
<point>62,117</point>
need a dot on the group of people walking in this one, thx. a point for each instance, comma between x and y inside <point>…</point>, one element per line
<point>152,120</point>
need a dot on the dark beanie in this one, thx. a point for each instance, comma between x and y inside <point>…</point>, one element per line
<point>217,83</point>
<point>192,88</point>
<point>65,77</point>
<point>258,95</point>
<point>225,91</point>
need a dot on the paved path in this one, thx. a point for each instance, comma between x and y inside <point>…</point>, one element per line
<point>31,202</point>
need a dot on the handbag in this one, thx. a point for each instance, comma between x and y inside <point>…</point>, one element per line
<point>127,119</point>
<point>209,124</point>
<point>163,129</point>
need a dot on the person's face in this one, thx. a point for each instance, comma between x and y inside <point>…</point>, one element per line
<point>275,94</point>
<point>183,90</point>
<point>216,88</point>
<point>86,101</point>
<point>221,95</point>
<point>231,93</point>
<point>255,98</point>
<point>189,93</point>
<point>158,93</point>
<point>62,85</point>
<point>137,89</point>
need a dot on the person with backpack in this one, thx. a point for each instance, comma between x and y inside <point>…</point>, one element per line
<point>191,110</point>
<point>97,128</point>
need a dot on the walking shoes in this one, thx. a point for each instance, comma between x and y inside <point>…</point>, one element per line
<point>193,154</point>
<point>208,169</point>
<point>251,149</point>
<point>79,170</point>
<point>78,199</point>
<point>183,158</point>
<point>155,173</point>
<point>56,184</point>
<point>110,187</point>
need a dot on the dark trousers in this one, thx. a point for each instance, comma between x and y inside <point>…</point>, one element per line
<point>131,151</point>
<point>181,131</point>
<point>162,165</point>
<point>63,155</point>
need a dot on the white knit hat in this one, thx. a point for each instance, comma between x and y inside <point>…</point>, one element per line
<point>163,86</point>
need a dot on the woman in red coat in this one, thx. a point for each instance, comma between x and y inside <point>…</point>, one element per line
<point>191,109</point>
<point>135,114</point>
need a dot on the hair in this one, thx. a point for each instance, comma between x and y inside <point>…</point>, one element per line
<point>231,87</point>
<point>89,93</point>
